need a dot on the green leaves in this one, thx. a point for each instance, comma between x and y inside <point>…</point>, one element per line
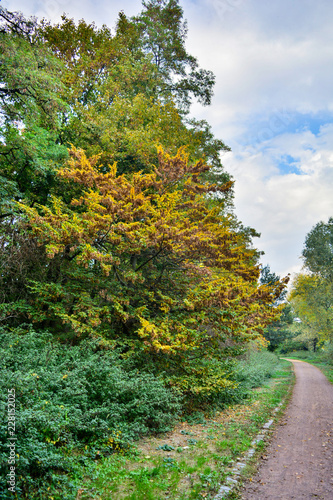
<point>312,300</point>
<point>68,398</point>
<point>312,294</point>
<point>318,250</point>
<point>163,33</point>
<point>31,105</point>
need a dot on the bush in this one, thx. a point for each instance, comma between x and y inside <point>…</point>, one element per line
<point>72,400</point>
<point>301,354</point>
<point>293,345</point>
<point>322,355</point>
<point>326,355</point>
<point>249,372</point>
<point>255,368</point>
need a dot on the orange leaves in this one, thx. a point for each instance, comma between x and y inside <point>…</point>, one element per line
<point>151,256</point>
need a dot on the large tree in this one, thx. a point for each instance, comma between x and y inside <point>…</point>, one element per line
<point>318,250</point>
<point>132,239</point>
<point>115,91</point>
<point>77,84</point>
<point>148,263</point>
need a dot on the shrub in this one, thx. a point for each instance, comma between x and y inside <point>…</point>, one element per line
<point>249,371</point>
<point>326,355</point>
<point>255,368</point>
<point>72,400</point>
<point>300,354</point>
<point>293,345</point>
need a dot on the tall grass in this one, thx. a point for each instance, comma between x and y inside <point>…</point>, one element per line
<point>255,368</point>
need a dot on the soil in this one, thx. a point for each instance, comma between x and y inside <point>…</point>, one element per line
<point>298,463</point>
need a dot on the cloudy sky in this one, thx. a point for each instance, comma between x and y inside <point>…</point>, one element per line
<point>273,104</point>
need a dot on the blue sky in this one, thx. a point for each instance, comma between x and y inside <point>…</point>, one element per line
<point>273,105</point>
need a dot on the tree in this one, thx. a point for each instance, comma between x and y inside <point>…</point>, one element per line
<point>114,89</point>
<point>146,262</point>
<point>163,33</point>
<point>312,294</point>
<point>278,331</point>
<point>76,84</point>
<point>29,104</point>
<point>312,300</point>
<point>267,277</point>
<point>318,250</point>
<point>132,238</point>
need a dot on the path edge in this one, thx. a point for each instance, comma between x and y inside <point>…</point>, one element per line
<point>232,482</point>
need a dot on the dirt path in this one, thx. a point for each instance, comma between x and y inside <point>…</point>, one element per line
<point>298,463</point>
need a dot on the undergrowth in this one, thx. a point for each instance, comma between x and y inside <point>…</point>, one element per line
<point>193,461</point>
<point>255,368</point>
<point>78,405</point>
<point>74,404</point>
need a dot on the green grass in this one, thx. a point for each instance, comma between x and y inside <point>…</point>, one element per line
<point>200,460</point>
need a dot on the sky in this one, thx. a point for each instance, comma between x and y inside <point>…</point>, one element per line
<point>273,105</point>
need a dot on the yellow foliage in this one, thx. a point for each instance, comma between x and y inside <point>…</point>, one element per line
<point>147,259</point>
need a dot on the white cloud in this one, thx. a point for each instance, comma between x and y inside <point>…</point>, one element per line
<point>273,65</point>
<point>284,207</point>
<point>256,72</point>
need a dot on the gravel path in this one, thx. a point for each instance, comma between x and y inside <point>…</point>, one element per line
<point>298,463</point>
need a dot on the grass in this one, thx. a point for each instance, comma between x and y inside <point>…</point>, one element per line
<point>193,460</point>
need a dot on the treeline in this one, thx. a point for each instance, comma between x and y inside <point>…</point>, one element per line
<point>306,321</point>
<point>311,296</point>
<point>118,237</point>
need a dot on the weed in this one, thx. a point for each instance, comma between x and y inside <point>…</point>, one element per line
<point>165,447</point>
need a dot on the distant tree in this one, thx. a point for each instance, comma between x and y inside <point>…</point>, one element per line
<point>318,250</point>
<point>277,332</point>
<point>312,292</point>
<point>267,277</point>
<point>312,300</point>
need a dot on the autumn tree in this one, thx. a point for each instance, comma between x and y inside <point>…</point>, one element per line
<point>312,300</point>
<point>77,84</point>
<point>131,240</point>
<point>144,261</point>
<point>114,87</point>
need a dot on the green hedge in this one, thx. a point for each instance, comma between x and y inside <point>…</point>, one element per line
<point>73,403</point>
